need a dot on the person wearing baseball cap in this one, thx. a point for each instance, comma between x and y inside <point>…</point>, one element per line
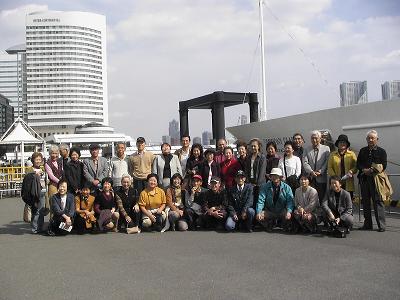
<point>275,202</point>
<point>215,203</point>
<point>240,210</point>
<point>194,199</point>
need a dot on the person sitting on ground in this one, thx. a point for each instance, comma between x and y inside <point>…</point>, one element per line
<point>73,172</point>
<point>275,202</point>
<point>84,210</point>
<point>127,198</point>
<point>152,202</point>
<point>175,201</point>
<point>306,205</point>
<point>343,163</point>
<point>106,208</point>
<point>194,203</point>
<point>240,207</point>
<point>209,168</point>
<point>337,205</point>
<point>63,210</point>
<point>166,165</point>
<point>229,168</point>
<point>290,166</point>
<point>215,204</point>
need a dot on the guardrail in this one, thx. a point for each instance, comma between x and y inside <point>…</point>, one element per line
<point>11,180</point>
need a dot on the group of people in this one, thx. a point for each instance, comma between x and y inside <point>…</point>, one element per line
<point>211,189</point>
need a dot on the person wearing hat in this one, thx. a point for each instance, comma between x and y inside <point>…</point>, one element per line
<point>343,163</point>
<point>140,164</point>
<point>275,202</point>
<point>240,209</point>
<point>215,204</point>
<point>194,202</point>
<point>209,167</point>
<point>95,168</point>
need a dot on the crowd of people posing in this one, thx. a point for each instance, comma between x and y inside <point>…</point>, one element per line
<point>213,189</point>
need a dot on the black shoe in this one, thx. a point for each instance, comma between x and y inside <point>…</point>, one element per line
<point>381,229</point>
<point>365,228</point>
<point>348,230</point>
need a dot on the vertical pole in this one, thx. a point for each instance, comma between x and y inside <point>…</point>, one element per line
<point>264,95</point>
<point>184,120</point>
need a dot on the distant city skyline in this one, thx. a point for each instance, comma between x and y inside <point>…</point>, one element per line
<point>161,52</point>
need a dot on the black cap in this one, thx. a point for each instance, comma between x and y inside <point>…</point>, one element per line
<point>140,140</point>
<point>94,146</point>
<point>240,173</point>
<point>215,179</point>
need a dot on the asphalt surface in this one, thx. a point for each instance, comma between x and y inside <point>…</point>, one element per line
<point>196,265</point>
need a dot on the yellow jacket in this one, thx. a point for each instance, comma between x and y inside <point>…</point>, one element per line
<point>350,163</point>
<point>382,183</point>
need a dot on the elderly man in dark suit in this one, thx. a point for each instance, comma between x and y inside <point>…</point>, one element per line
<point>240,204</point>
<point>95,168</point>
<point>315,163</point>
<point>337,205</point>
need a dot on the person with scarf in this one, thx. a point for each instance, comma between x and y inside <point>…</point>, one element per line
<point>84,211</point>
<point>73,172</point>
<point>229,168</point>
<point>106,208</point>
<point>165,165</point>
<point>54,170</point>
<point>175,202</point>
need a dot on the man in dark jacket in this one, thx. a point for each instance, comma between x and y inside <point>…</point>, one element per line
<point>337,205</point>
<point>240,204</point>
<point>215,204</point>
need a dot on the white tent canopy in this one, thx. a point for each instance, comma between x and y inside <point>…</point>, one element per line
<point>20,133</point>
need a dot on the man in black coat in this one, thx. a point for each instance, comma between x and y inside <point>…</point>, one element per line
<point>240,204</point>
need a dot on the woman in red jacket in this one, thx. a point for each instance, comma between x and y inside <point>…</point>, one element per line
<point>229,168</point>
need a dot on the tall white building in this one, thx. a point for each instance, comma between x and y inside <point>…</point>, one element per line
<point>13,79</point>
<point>353,92</point>
<point>391,90</point>
<point>66,70</point>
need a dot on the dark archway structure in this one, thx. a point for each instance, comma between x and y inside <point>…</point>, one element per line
<point>217,102</point>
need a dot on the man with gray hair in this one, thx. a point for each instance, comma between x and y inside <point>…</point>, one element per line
<point>315,164</point>
<point>118,165</point>
<point>369,159</point>
<point>64,153</point>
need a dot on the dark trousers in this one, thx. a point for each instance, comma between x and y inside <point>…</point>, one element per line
<point>192,219</point>
<point>54,224</point>
<point>135,216</point>
<point>368,193</point>
<point>321,190</point>
<point>139,184</point>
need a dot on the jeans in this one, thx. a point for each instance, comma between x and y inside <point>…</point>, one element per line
<point>230,224</point>
<point>38,212</point>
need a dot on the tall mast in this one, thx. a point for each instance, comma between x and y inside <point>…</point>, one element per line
<point>264,95</point>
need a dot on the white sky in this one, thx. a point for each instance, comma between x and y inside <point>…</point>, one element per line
<point>162,52</point>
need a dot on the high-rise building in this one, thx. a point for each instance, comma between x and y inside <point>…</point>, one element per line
<point>6,114</point>
<point>197,140</point>
<point>173,131</point>
<point>66,70</point>
<point>353,92</point>
<point>391,90</point>
<point>243,119</point>
<point>166,139</point>
<point>13,79</point>
<point>206,136</point>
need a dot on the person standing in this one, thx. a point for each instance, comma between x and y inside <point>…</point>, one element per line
<point>166,165</point>
<point>367,158</point>
<point>184,153</point>
<point>118,165</point>
<point>95,168</point>
<point>298,144</point>
<point>343,163</point>
<point>315,163</point>
<point>241,148</point>
<point>219,156</point>
<point>140,164</point>
<point>229,168</point>
<point>209,168</point>
<point>54,170</point>
<point>64,153</point>
<point>73,171</point>
<point>290,166</point>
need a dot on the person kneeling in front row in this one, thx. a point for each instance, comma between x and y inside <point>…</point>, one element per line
<point>152,203</point>
<point>63,210</point>
<point>240,210</point>
<point>337,205</point>
<point>275,202</point>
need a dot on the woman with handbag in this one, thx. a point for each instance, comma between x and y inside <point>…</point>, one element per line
<point>290,166</point>
<point>106,208</point>
<point>152,202</point>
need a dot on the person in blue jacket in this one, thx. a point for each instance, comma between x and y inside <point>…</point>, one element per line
<point>275,203</point>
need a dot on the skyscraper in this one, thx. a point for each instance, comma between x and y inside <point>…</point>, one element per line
<point>391,90</point>
<point>173,131</point>
<point>243,119</point>
<point>206,136</point>
<point>6,114</point>
<point>13,79</point>
<point>66,70</point>
<point>353,92</point>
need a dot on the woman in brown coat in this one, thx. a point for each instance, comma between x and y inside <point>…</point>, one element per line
<point>84,208</point>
